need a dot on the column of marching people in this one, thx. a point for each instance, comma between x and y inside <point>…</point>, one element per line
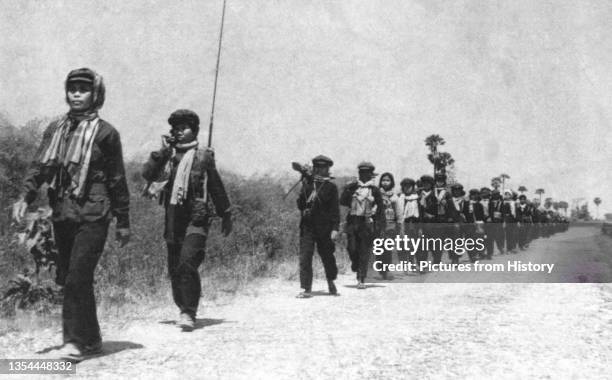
<point>426,207</point>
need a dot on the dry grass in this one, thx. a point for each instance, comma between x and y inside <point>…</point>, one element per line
<point>264,243</point>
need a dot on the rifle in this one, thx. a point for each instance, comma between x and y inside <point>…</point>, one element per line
<point>212,112</point>
<point>306,173</point>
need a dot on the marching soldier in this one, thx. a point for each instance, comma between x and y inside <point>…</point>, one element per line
<point>537,219</point>
<point>473,212</point>
<point>81,160</point>
<point>430,212</point>
<point>524,215</point>
<point>509,216</point>
<point>441,193</point>
<point>496,227</point>
<point>455,217</point>
<point>364,219</point>
<point>183,174</point>
<point>393,220</point>
<point>485,196</point>
<point>318,204</point>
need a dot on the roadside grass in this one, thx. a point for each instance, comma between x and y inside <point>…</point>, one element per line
<point>264,243</point>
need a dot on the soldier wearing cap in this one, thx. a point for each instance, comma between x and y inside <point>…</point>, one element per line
<point>485,198</point>
<point>509,217</point>
<point>429,212</point>
<point>441,193</point>
<point>365,219</point>
<point>474,222</point>
<point>319,224</point>
<point>496,228</point>
<point>456,218</point>
<point>538,218</point>
<point>524,216</point>
<point>185,178</point>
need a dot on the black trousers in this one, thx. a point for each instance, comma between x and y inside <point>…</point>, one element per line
<point>454,231</point>
<point>360,234</point>
<point>184,259</point>
<point>387,256</point>
<point>432,231</point>
<point>80,246</point>
<point>511,235</point>
<point>496,230</point>
<point>411,229</point>
<point>489,242</point>
<point>309,237</point>
<point>523,234</point>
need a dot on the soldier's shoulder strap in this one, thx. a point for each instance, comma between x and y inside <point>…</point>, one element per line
<point>206,156</point>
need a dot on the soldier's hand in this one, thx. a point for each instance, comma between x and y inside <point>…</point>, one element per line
<point>334,235</point>
<point>19,210</point>
<point>122,236</point>
<point>226,224</point>
<point>351,184</point>
<point>168,141</point>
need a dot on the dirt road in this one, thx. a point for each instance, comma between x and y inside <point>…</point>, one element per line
<point>390,330</point>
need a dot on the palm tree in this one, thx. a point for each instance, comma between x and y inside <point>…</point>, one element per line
<point>432,142</point>
<point>444,159</point>
<point>540,192</point>
<point>504,177</point>
<point>597,202</point>
<point>564,205</point>
<point>495,182</point>
<point>548,203</point>
<point>522,189</point>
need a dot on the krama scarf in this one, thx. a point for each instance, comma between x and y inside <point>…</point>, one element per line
<point>74,154</point>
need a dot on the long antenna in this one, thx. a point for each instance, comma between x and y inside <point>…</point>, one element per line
<point>212,112</point>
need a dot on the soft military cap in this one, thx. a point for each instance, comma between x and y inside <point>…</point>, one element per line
<point>407,182</point>
<point>427,179</point>
<point>322,160</point>
<point>366,166</point>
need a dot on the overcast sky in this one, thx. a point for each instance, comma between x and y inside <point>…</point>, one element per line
<point>519,87</point>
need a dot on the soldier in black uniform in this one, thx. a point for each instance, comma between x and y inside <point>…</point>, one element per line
<point>455,217</point>
<point>485,198</point>
<point>536,231</point>
<point>509,216</point>
<point>364,220</point>
<point>429,214</point>
<point>474,222</point>
<point>441,229</point>
<point>186,175</point>
<point>524,217</point>
<point>80,158</point>
<point>318,203</point>
<point>496,227</point>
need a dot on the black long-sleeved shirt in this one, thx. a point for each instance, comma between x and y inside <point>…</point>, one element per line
<point>324,210</point>
<point>105,186</point>
<point>192,215</point>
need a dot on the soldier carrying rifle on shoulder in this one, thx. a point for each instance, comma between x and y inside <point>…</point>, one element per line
<point>319,224</point>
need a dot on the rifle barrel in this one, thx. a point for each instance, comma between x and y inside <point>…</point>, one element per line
<point>212,112</point>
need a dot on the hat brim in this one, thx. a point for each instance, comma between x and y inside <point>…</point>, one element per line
<point>80,78</point>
